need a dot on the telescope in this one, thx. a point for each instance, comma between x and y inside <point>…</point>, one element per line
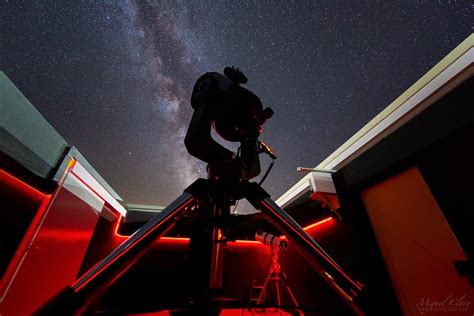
<point>272,241</point>
<point>237,115</point>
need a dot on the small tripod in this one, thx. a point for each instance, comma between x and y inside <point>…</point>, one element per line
<point>276,275</point>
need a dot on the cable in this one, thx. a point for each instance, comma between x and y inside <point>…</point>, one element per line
<point>266,173</point>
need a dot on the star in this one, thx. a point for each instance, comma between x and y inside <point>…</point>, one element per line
<point>115,78</point>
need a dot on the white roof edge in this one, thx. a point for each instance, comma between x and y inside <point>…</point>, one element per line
<point>81,172</point>
<point>396,114</point>
<point>296,189</point>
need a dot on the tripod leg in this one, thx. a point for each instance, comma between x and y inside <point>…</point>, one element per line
<point>277,290</point>
<point>90,285</point>
<point>215,278</point>
<point>290,292</point>
<point>329,270</point>
<point>262,295</point>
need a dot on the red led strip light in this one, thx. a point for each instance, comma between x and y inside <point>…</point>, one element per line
<point>14,181</point>
<point>309,227</point>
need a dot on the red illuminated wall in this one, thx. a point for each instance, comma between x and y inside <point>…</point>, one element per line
<point>55,240</point>
<point>418,246</point>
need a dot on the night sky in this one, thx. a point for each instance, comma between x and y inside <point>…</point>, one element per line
<point>115,77</point>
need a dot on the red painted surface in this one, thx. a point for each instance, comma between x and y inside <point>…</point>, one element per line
<point>418,246</point>
<point>52,257</point>
<point>103,241</point>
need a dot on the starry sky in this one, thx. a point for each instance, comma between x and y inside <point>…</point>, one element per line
<point>114,77</point>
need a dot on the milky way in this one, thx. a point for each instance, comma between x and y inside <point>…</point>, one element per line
<point>168,75</point>
<point>114,77</point>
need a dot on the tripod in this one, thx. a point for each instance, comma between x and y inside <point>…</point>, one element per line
<point>216,193</point>
<point>276,275</point>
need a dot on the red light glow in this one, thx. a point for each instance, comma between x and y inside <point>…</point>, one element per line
<point>71,163</point>
<point>177,239</point>
<point>117,226</point>
<point>20,185</point>
<point>239,241</point>
<point>248,242</point>
<point>310,227</point>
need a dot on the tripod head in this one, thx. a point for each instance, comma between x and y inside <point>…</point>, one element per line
<point>236,114</point>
